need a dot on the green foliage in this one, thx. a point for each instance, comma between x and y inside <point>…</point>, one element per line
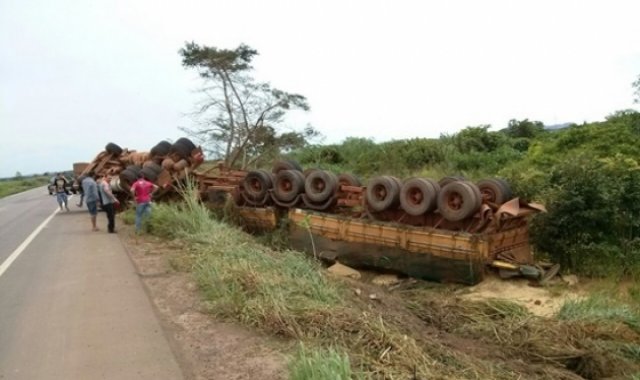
<point>478,139</point>
<point>524,128</point>
<point>593,222</point>
<point>600,308</point>
<point>320,364</point>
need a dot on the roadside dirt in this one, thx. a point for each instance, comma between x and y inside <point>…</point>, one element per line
<point>205,348</point>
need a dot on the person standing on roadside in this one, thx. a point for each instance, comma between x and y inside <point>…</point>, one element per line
<point>109,202</point>
<point>142,190</point>
<point>60,184</point>
<point>90,190</point>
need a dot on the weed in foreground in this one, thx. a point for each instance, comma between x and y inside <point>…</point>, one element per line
<point>320,364</point>
<point>600,308</point>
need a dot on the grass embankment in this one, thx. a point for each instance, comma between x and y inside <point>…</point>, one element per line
<point>14,186</point>
<point>418,331</point>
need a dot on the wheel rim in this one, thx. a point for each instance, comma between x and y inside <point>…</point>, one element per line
<point>380,192</point>
<point>454,201</point>
<point>255,185</point>
<point>317,185</point>
<point>415,196</point>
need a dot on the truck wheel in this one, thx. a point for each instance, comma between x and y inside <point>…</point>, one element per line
<point>181,149</point>
<point>349,180</point>
<point>187,143</point>
<point>286,165</point>
<point>113,149</point>
<point>382,193</point>
<point>495,191</point>
<point>149,174</point>
<point>418,196</point>
<point>447,180</point>
<point>458,201</point>
<point>288,184</point>
<point>161,149</point>
<point>320,185</point>
<point>256,184</point>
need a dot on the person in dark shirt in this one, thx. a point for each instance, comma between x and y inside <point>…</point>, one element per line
<point>60,184</point>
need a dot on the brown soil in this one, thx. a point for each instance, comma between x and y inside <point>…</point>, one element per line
<point>204,347</point>
<point>539,301</point>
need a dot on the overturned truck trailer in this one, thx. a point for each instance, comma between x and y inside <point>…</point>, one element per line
<point>451,231</point>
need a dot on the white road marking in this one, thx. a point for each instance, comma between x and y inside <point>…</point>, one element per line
<point>5,265</point>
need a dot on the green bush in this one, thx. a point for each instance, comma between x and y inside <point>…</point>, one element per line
<point>593,223</point>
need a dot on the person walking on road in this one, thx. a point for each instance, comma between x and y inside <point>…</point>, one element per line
<point>90,190</point>
<point>109,202</point>
<point>60,184</point>
<point>142,190</point>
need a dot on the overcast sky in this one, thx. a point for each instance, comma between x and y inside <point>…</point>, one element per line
<point>75,75</point>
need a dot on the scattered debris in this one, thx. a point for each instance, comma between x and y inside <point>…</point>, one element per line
<point>386,279</point>
<point>344,271</point>
<point>570,279</point>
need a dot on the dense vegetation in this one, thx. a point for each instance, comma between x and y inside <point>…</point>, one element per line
<point>587,175</point>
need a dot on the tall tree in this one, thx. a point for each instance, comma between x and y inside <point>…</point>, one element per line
<point>636,93</point>
<point>240,118</point>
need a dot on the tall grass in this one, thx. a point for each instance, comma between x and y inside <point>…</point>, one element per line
<point>601,308</point>
<point>320,364</point>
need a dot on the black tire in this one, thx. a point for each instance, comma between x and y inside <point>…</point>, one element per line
<point>349,180</point>
<point>286,165</point>
<point>418,196</point>
<point>320,185</point>
<point>383,193</point>
<point>495,191</point>
<point>447,180</point>
<point>113,148</point>
<point>308,171</point>
<point>187,143</point>
<point>134,168</point>
<point>476,190</point>
<point>256,184</point>
<point>128,176</point>
<point>458,200</point>
<point>436,186</point>
<point>288,184</point>
<point>161,149</point>
<point>153,166</point>
<point>181,149</point>
<point>149,174</point>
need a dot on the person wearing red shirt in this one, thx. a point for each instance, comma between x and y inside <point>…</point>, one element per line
<point>142,191</point>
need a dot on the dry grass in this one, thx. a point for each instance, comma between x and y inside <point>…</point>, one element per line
<point>419,331</point>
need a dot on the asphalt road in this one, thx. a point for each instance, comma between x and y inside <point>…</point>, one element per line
<point>71,304</point>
